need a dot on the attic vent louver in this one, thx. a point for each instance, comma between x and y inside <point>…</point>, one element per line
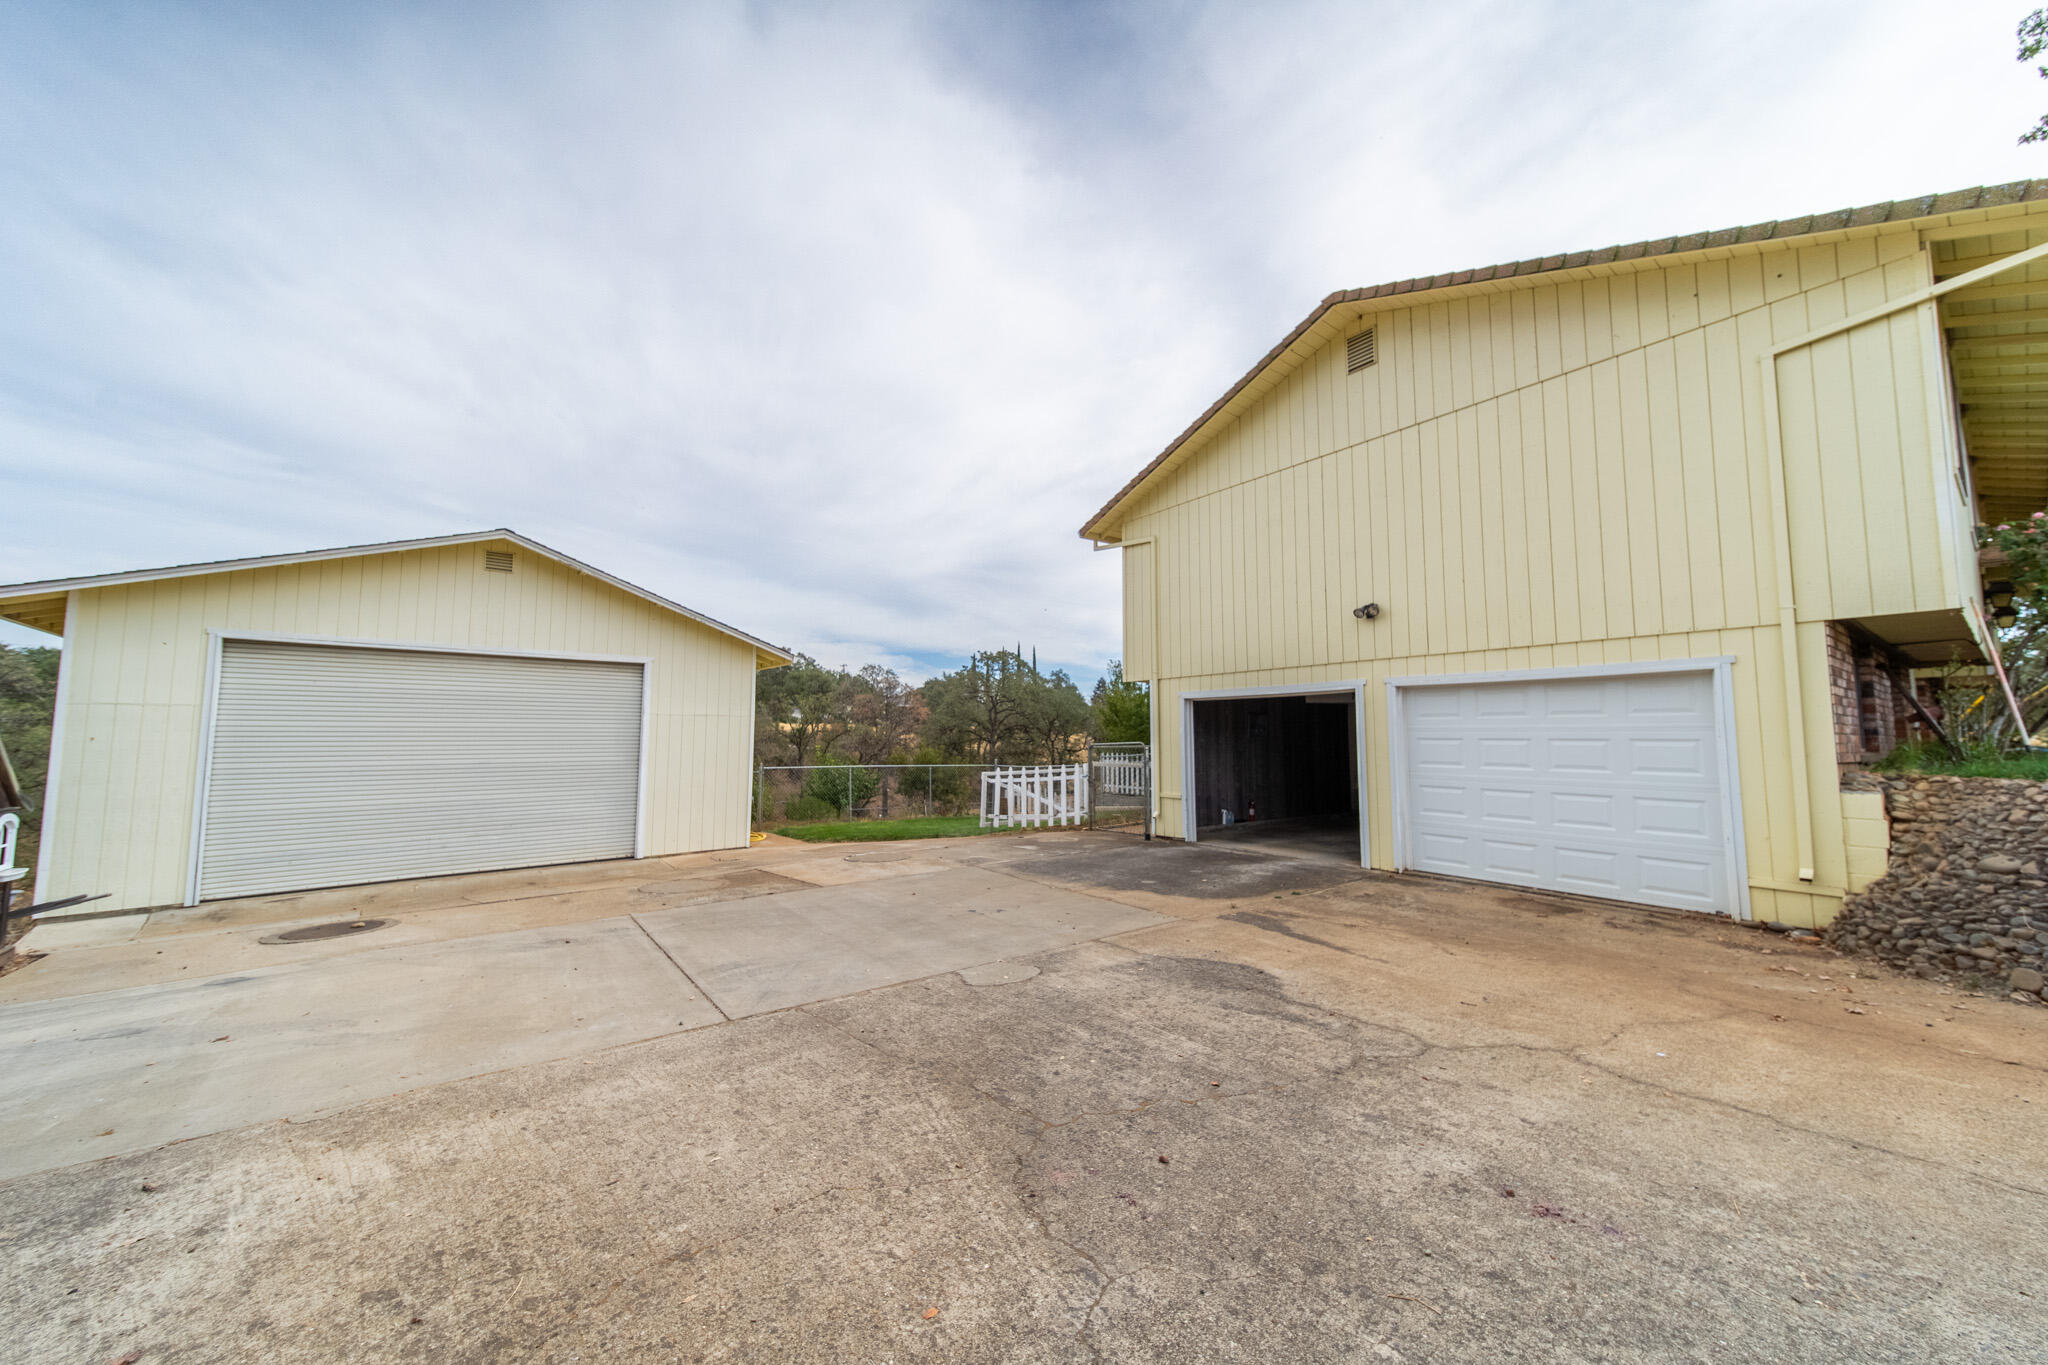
<point>1362,350</point>
<point>498,561</point>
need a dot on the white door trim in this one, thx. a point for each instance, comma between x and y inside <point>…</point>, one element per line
<point>1719,666</point>
<point>1355,686</point>
<point>217,639</point>
<point>53,767</point>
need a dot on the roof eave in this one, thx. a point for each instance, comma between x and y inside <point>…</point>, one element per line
<point>1967,205</point>
<point>11,594</point>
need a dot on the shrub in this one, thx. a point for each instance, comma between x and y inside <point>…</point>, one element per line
<point>802,808</point>
<point>949,789</point>
<point>837,782</point>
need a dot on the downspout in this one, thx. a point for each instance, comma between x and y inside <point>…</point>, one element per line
<point>1788,620</point>
<point>1151,683</point>
<point>53,773</point>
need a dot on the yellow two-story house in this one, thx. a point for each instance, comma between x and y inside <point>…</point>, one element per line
<point>1588,573</point>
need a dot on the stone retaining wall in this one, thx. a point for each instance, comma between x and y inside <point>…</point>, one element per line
<point>1966,889</point>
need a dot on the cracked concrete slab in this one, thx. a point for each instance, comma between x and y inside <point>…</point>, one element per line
<point>998,974</point>
<point>125,1070</point>
<point>815,944</point>
<point>1382,1120</point>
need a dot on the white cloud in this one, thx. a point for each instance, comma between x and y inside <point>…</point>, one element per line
<point>834,323</point>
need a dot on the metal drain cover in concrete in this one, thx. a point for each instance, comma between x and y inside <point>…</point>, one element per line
<point>313,933</point>
<point>880,855</point>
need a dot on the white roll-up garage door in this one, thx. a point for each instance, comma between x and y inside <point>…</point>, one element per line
<point>332,765</point>
<point>1605,786</point>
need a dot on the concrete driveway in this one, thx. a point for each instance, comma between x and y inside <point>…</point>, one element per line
<point>142,1037</point>
<point>1284,1111</point>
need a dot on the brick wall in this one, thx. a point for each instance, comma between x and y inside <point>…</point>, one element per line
<point>1842,697</point>
<point>1867,683</point>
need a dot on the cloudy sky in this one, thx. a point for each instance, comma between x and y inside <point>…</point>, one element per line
<point>832,321</point>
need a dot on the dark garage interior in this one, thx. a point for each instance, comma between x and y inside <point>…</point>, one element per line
<point>1286,768</point>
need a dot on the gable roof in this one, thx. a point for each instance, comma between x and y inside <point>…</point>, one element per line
<point>1841,220</point>
<point>33,604</point>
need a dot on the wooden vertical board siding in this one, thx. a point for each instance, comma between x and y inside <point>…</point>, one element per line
<point>1382,492</point>
<point>1854,423</point>
<point>1340,491</point>
<point>1693,441</point>
<point>137,657</point>
<point>1499,543</point>
<point>1628,464</point>
<point>1564,580</point>
<point>1544,474</point>
<point>1571,315</point>
<point>1712,406</point>
<point>1598,509</point>
<point>1531,593</point>
<point>1669,487</point>
<point>1338,583</point>
<point>1838,476</point>
<point>1877,466</point>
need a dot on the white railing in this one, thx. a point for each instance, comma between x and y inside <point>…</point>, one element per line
<point>1123,773</point>
<point>10,828</point>
<point>1054,794</point>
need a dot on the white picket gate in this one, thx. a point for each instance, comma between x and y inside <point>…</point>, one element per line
<point>1123,772</point>
<point>1051,794</point>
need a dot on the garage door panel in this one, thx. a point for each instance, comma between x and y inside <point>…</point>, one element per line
<point>1595,871</point>
<point>1507,804</point>
<point>1581,755</point>
<point>1435,799</point>
<point>1575,700</point>
<point>1502,702</point>
<point>1441,851</point>
<point>1675,817</point>
<point>1582,811</point>
<point>1678,877</point>
<point>1515,753</point>
<point>1668,757</point>
<point>1619,794</point>
<point>1440,751</point>
<point>1673,696</point>
<point>1503,858</point>
<point>1442,705</point>
<point>334,765</point>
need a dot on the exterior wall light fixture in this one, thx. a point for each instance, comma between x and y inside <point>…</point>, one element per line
<point>1366,612</point>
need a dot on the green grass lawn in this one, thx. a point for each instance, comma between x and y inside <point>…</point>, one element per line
<point>1932,759</point>
<point>864,831</point>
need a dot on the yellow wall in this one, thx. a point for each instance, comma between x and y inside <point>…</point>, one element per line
<point>1557,474</point>
<point>119,817</point>
<point>1868,832</point>
<point>1869,481</point>
<point>1140,585</point>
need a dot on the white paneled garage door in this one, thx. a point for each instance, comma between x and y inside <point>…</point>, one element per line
<point>332,765</point>
<point>1604,786</point>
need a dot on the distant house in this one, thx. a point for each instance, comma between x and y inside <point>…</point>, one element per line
<point>409,709</point>
<point>1587,572</point>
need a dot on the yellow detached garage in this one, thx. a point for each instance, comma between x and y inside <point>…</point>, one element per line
<point>412,709</point>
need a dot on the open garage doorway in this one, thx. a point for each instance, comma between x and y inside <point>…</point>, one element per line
<point>1275,769</point>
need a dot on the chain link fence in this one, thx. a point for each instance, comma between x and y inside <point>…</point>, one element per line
<point>1120,787</point>
<point>795,793</point>
<point>1119,790</point>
